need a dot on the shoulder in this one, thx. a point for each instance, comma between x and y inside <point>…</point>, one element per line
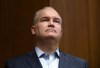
<point>21,57</point>
<point>17,61</point>
<point>72,57</point>
<point>75,60</point>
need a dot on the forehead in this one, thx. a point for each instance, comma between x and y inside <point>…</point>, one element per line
<point>49,12</point>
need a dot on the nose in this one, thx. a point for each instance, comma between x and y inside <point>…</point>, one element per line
<point>51,23</point>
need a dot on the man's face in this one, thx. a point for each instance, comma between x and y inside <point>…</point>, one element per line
<point>48,24</point>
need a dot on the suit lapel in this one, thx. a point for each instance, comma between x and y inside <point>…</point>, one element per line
<point>33,60</point>
<point>63,61</point>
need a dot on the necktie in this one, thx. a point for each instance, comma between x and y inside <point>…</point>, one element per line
<point>46,56</point>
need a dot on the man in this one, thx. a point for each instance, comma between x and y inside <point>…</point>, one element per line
<point>47,28</point>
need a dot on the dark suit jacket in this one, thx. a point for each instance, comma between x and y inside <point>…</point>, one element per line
<point>31,61</point>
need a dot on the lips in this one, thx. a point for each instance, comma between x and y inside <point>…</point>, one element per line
<point>51,30</point>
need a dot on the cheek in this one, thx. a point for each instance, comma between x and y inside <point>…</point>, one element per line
<point>59,29</point>
<point>41,27</point>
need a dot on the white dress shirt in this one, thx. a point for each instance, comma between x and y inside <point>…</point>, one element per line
<point>48,61</point>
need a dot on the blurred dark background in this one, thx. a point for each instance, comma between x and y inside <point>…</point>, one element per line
<point>81,28</point>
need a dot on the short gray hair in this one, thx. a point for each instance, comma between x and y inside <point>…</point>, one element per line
<point>36,15</point>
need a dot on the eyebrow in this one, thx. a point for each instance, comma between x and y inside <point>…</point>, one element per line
<point>57,18</point>
<point>44,17</point>
<point>53,17</point>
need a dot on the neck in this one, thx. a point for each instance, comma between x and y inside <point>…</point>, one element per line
<point>47,45</point>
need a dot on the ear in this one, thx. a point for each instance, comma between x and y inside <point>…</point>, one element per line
<point>62,30</point>
<point>33,30</point>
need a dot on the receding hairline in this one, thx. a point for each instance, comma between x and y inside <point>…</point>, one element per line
<point>39,11</point>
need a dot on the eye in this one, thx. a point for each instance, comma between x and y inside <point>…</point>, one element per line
<point>44,19</point>
<point>57,20</point>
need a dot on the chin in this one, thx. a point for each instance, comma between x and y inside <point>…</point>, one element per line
<point>50,37</point>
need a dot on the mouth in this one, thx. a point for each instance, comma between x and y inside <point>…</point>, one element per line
<point>51,30</point>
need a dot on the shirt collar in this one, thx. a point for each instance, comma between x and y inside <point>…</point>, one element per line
<point>40,52</point>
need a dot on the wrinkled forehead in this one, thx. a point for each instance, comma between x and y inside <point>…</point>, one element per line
<point>49,12</point>
<point>46,12</point>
